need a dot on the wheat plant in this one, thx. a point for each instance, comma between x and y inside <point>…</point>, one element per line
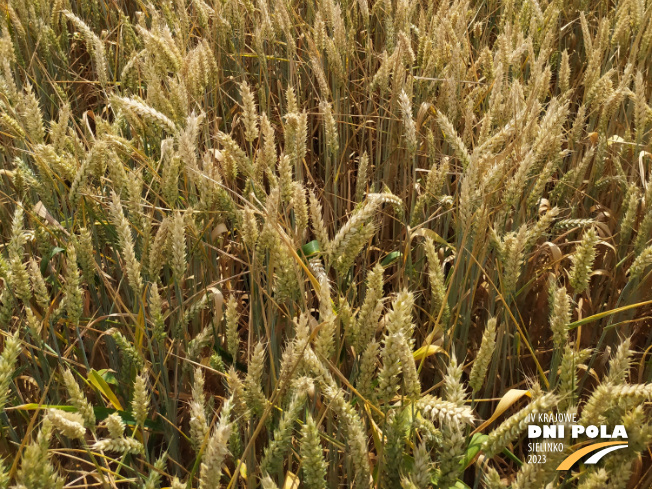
<point>322,244</point>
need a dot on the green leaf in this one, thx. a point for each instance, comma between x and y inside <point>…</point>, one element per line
<point>102,413</point>
<point>108,376</point>
<point>394,255</point>
<point>44,262</point>
<point>310,249</point>
<point>55,251</point>
<point>473,449</point>
<point>513,457</point>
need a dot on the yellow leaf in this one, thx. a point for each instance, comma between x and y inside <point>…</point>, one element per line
<point>602,314</point>
<point>98,382</point>
<point>376,432</point>
<point>243,469</point>
<point>509,399</point>
<point>291,481</point>
<point>428,350</point>
<point>140,328</point>
<point>429,233</point>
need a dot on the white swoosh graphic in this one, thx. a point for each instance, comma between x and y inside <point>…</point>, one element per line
<point>595,458</point>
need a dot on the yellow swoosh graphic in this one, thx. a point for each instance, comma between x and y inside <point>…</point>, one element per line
<point>571,459</point>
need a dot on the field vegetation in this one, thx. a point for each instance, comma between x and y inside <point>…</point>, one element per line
<point>286,243</point>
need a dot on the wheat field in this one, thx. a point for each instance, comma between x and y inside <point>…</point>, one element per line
<point>295,244</point>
